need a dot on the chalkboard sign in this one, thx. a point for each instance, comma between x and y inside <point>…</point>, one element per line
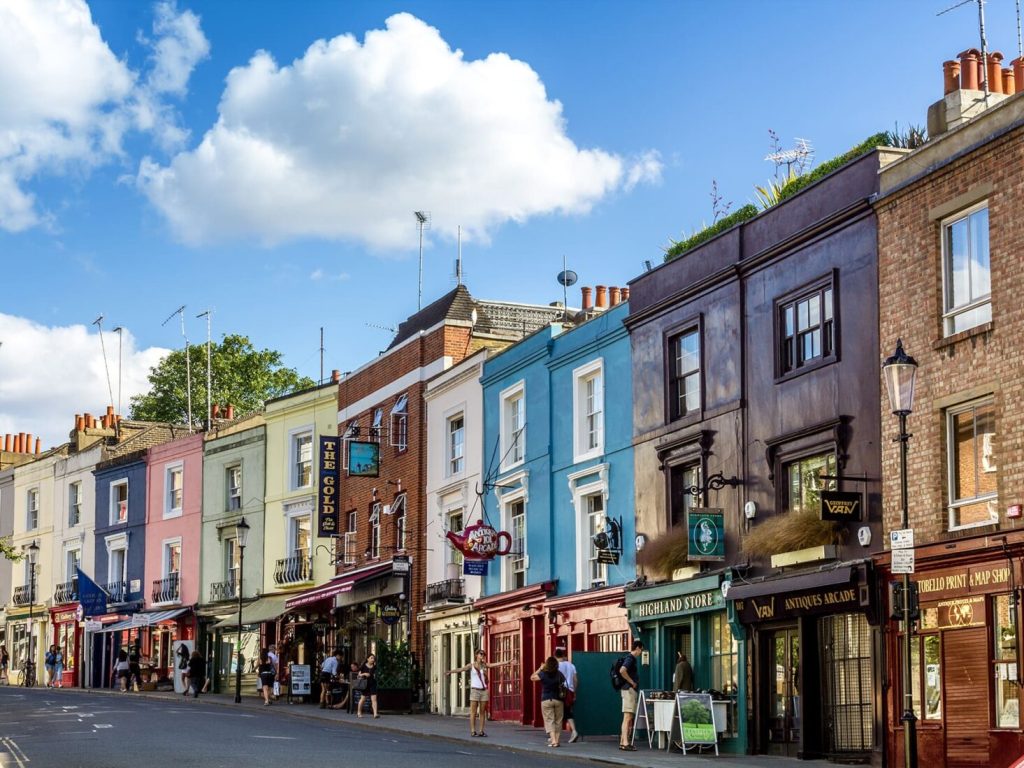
<point>300,680</point>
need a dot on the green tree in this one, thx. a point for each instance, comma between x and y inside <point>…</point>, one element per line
<point>7,550</point>
<point>242,376</point>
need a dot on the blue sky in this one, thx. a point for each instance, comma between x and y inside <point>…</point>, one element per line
<point>214,154</point>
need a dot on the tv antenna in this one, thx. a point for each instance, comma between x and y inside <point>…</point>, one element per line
<point>422,223</point>
<point>98,322</point>
<point>120,332</point>
<point>800,156</point>
<point>208,314</point>
<point>381,327</point>
<point>458,260</point>
<point>180,311</point>
<point>566,278</point>
<point>981,34</point>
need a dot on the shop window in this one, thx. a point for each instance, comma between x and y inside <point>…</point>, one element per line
<point>684,374</point>
<point>806,329</point>
<point>973,479</point>
<point>926,675</point>
<point>804,483</point>
<point>848,689</point>
<point>613,642</point>
<point>966,273</point>
<point>1007,692</point>
<point>725,670</point>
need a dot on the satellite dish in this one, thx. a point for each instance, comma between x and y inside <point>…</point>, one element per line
<point>567,277</point>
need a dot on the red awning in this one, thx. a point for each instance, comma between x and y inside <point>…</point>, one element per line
<point>337,585</point>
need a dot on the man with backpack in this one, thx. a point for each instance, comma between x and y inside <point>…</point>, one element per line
<point>629,685</point>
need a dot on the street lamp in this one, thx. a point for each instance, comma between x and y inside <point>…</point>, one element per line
<point>33,553</point>
<point>899,371</point>
<point>241,538</point>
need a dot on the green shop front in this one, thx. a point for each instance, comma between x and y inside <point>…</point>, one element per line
<point>690,617</point>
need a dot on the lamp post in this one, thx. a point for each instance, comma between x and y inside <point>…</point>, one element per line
<point>241,537</point>
<point>33,553</point>
<point>899,371</point>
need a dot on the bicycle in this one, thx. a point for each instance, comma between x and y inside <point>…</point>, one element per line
<point>27,675</point>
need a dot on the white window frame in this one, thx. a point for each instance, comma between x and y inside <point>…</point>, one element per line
<point>513,436</point>
<point>117,543</point>
<point>293,456</point>
<point>113,502</point>
<point>75,503</point>
<point>588,417</point>
<point>229,471</point>
<point>399,437</point>
<point>514,563</point>
<point>376,511</point>
<point>169,470</point>
<point>950,313</point>
<point>583,483</point>
<point>455,556</point>
<point>376,423</point>
<point>951,469</point>
<point>165,549</point>
<point>32,509</point>
<point>231,554</point>
<point>69,572</point>
<point>454,464</point>
<point>400,510</point>
<point>351,537</point>
<point>292,516</point>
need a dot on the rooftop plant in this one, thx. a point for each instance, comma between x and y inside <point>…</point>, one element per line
<point>665,553</point>
<point>789,532</point>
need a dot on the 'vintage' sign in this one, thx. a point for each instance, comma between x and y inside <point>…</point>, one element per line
<point>327,504</point>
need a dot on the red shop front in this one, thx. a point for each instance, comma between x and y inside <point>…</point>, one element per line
<point>515,630</point>
<point>67,635</point>
<point>595,620</point>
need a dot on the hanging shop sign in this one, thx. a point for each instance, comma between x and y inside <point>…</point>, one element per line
<point>480,541</point>
<point>840,506</point>
<point>963,612</point>
<point>964,581</point>
<point>400,564</point>
<point>474,567</point>
<point>327,498</point>
<point>785,606</point>
<point>706,529</point>
<point>390,613</point>
<point>363,459</point>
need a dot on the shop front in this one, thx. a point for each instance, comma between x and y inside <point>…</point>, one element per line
<point>67,635</point>
<point>965,662</point>
<point>20,624</point>
<point>814,647</point>
<point>259,630</point>
<point>454,633</point>
<point>690,617</point>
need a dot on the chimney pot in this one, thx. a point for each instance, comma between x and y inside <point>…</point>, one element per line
<point>110,410</point>
<point>215,411</point>
<point>230,413</point>
<point>995,72</point>
<point>950,76</point>
<point>586,291</point>
<point>19,443</point>
<point>26,444</point>
<point>1009,81</point>
<point>88,420</point>
<point>969,69</point>
<point>613,296</point>
<point>1018,73</point>
<point>335,376</point>
<point>601,300</point>
<point>38,445</point>
<point>8,445</point>
<point>624,294</point>
<point>79,423</point>
<point>103,421</point>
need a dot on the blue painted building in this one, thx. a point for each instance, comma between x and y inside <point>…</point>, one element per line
<point>559,466</point>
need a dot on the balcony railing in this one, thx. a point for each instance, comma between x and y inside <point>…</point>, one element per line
<point>118,591</point>
<point>23,596</point>
<point>448,591</point>
<point>293,570</point>
<point>167,590</point>
<point>66,592</point>
<point>224,590</point>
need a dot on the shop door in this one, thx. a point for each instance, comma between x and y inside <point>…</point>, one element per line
<point>784,691</point>
<point>458,685</point>
<point>506,681</point>
<point>679,639</point>
<point>965,672</point>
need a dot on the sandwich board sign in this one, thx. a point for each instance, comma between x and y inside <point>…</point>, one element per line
<point>696,721</point>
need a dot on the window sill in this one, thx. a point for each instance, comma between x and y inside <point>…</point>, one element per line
<point>956,338</point>
<point>806,368</point>
<point>171,514</point>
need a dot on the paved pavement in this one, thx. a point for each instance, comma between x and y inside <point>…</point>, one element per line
<point>455,730</point>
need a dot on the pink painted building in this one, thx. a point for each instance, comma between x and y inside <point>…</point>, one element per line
<point>174,506</point>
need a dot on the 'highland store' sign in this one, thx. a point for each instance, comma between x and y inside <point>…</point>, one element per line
<point>698,601</point>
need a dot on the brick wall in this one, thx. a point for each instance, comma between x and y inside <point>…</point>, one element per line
<point>984,361</point>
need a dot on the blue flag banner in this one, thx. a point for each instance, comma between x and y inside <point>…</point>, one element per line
<point>91,596</point>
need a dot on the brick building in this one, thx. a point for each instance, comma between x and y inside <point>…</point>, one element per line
<point>382,402</point>
<point>950,281</point>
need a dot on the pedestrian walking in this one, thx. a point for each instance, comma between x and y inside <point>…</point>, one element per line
<point>682,678</point>
<point>122,671</point>
<point>568,670</point>
<point>368,672</point>
<point>196,673</point>
<point>183,659</point>
<point>276,661</point>
<point>266,673</point>
<point>58,667</point>
<point>551,707</point>
<point>48,662</point>
<point>629,691</point>
<point>5,663</point>
<point>328,671</point>
<point>479,693</point>
<point>135,666</point>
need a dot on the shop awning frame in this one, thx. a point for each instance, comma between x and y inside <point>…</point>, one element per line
<point>338,585</point>
<point>261,610</point>
<point>796,583</point>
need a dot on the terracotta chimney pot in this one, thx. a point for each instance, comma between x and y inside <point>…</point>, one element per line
<point>601,301</point>
<point>969,69</point>
<point>624,294</point>
<point>613,296</point>
<point>38,445</point>
<point>88,420</point>
<point>1018,72</point>
<point>215,411</point>
<point>586,291</point>
<point>19,443</point>
<point>1009,81</point>
<point>26,444</point>
<point>950,76</point>
<point>230,413</point>
<point>335,376</point>
<point>995,72</point>
<point>8,444</point>
<point>103,421</point>
<point>110,410</point>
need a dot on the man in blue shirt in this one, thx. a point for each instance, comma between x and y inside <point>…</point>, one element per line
<point>630,687</point>
<point>328,672</point>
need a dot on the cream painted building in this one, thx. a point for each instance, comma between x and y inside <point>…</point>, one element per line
<point>454,407</point>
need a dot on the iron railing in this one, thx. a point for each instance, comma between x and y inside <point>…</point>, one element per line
<point>66,592</point>
<point>448,591</point>
<point>168,589</point>
<point>293,570</point>
<point>117,590</point>
<point>23,595</point>
<point>224,590</point>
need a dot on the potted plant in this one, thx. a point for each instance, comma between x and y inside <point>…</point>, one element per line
<point>394,676</point>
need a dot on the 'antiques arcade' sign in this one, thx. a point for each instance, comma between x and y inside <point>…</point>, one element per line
<point>698,601</point>
<point>327,503</point>
<point>785,606</point>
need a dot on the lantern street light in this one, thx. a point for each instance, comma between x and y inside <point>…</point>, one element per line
<point>241,539</point>
<point>899,371</point>
<point>33,554</point>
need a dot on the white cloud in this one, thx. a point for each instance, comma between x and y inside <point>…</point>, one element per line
<point>66,101</point>
<point>645,170</point>
<point>50,373</point>
<point>348,140</point>
<point>320,274</point>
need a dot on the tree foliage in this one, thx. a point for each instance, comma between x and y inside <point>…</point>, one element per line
<point>8,552</point>
<point>242,376</point>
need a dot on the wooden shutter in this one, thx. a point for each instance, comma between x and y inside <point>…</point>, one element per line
<point>966,691</point>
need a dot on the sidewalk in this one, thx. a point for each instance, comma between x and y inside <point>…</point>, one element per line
<point>510,736</point>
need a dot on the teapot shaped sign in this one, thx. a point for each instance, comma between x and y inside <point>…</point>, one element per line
<point>481,542</point>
